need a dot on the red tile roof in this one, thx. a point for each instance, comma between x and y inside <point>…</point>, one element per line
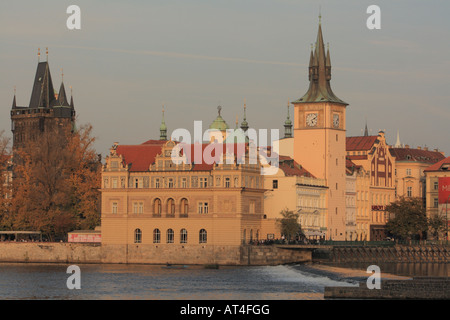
<point>357,157</point>
<point>291,168</point>
<point>155,142</point>
<point>437,166</point>
<point>138,157</point>
<point>362,143</point>
<point>141,157</point>
<point>416,155</point>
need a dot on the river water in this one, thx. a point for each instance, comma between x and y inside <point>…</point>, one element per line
<point>154,282</point>
<point>48,281</point>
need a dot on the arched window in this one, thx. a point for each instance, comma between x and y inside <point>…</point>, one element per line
<point>137,236</point>
<point>170,207</point>
<point>184,207</point>
<point>157,207</point>
<point>156,236</point>
<point>183,236</point>
<point>203,236</point>
<point>170,236</point>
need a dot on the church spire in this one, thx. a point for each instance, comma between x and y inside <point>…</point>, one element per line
<point>14,105</point>
<point>319,73</point>
<point>244,124</point>
<point>62,97</point>
<point>398,143</point>
<point>366,130</point>
<point>163,128</point>
<point>288,125</point>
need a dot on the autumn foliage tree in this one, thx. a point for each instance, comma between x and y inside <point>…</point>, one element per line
<point>5,176</point>
<point>56,184</point>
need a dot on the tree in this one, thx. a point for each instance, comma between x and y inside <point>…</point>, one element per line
<point>5,176</point>
<point>436,225</point>
<point>289,225</point>
<point>56,184</point>
<point>408,218</point>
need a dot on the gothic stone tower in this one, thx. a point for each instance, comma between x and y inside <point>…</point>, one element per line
<point>47,110</point>
<point>319,136</point>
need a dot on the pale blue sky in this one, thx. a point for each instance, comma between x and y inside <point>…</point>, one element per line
<point>130,57</point>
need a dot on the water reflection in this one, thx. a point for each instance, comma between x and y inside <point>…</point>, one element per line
<point>41,281</point>
<point>408,269</point>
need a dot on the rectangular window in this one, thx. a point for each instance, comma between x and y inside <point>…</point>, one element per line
<point>409,192</point>
<point>227,182</point>
<point>203,207</point>
<point>114,183</point>
<point>114,164</point>
<point>275,184</point>
<point>203,182</point>
<point>141,207</point>
<point>436,202</point>
<point>184,183</point>
<point>157,183</point>
<point>135,207</point>
<point>114,207</point>
<point>408,172</point>
<point>251,207</point>
<point>171,183</point>
<point>436,186</point>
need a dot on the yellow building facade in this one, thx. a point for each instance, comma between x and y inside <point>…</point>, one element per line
<point>148,200</point>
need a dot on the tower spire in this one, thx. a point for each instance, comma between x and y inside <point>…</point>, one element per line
<point>163,127</point>
<point>398,143</point>
<point>14,100</point>
<point>319,73</point>
<point>244,124</point>
<point>366,130</point>
<point>288,124</point>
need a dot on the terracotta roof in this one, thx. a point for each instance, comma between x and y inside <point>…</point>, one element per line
<point>437,166</point>
<point>357,157</point>
<point>416,155</point>
<point>140,157</point>
<point>362,143</point>
<point>291,168</point>
<point>155,142</point>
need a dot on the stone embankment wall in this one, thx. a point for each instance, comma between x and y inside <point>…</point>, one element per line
<point>434,288</point>
<point>149,254</point>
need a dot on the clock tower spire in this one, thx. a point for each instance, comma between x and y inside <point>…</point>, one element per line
<point>319,136</point>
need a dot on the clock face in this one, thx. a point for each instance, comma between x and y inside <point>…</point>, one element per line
<point>336,120</point>
<point>311,119</point>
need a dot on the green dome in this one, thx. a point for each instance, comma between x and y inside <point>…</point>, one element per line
<point>219,124</point>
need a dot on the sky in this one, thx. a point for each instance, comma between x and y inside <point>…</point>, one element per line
<point>132,57</point>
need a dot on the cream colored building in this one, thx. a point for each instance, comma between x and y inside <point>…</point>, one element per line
<point>436,203</point>
<point>410,165</point>
<point>371,153</point>
<point>295,189</point>
<point>350,205</point>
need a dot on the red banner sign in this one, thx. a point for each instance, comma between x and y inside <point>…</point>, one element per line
<point>444,190</point>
